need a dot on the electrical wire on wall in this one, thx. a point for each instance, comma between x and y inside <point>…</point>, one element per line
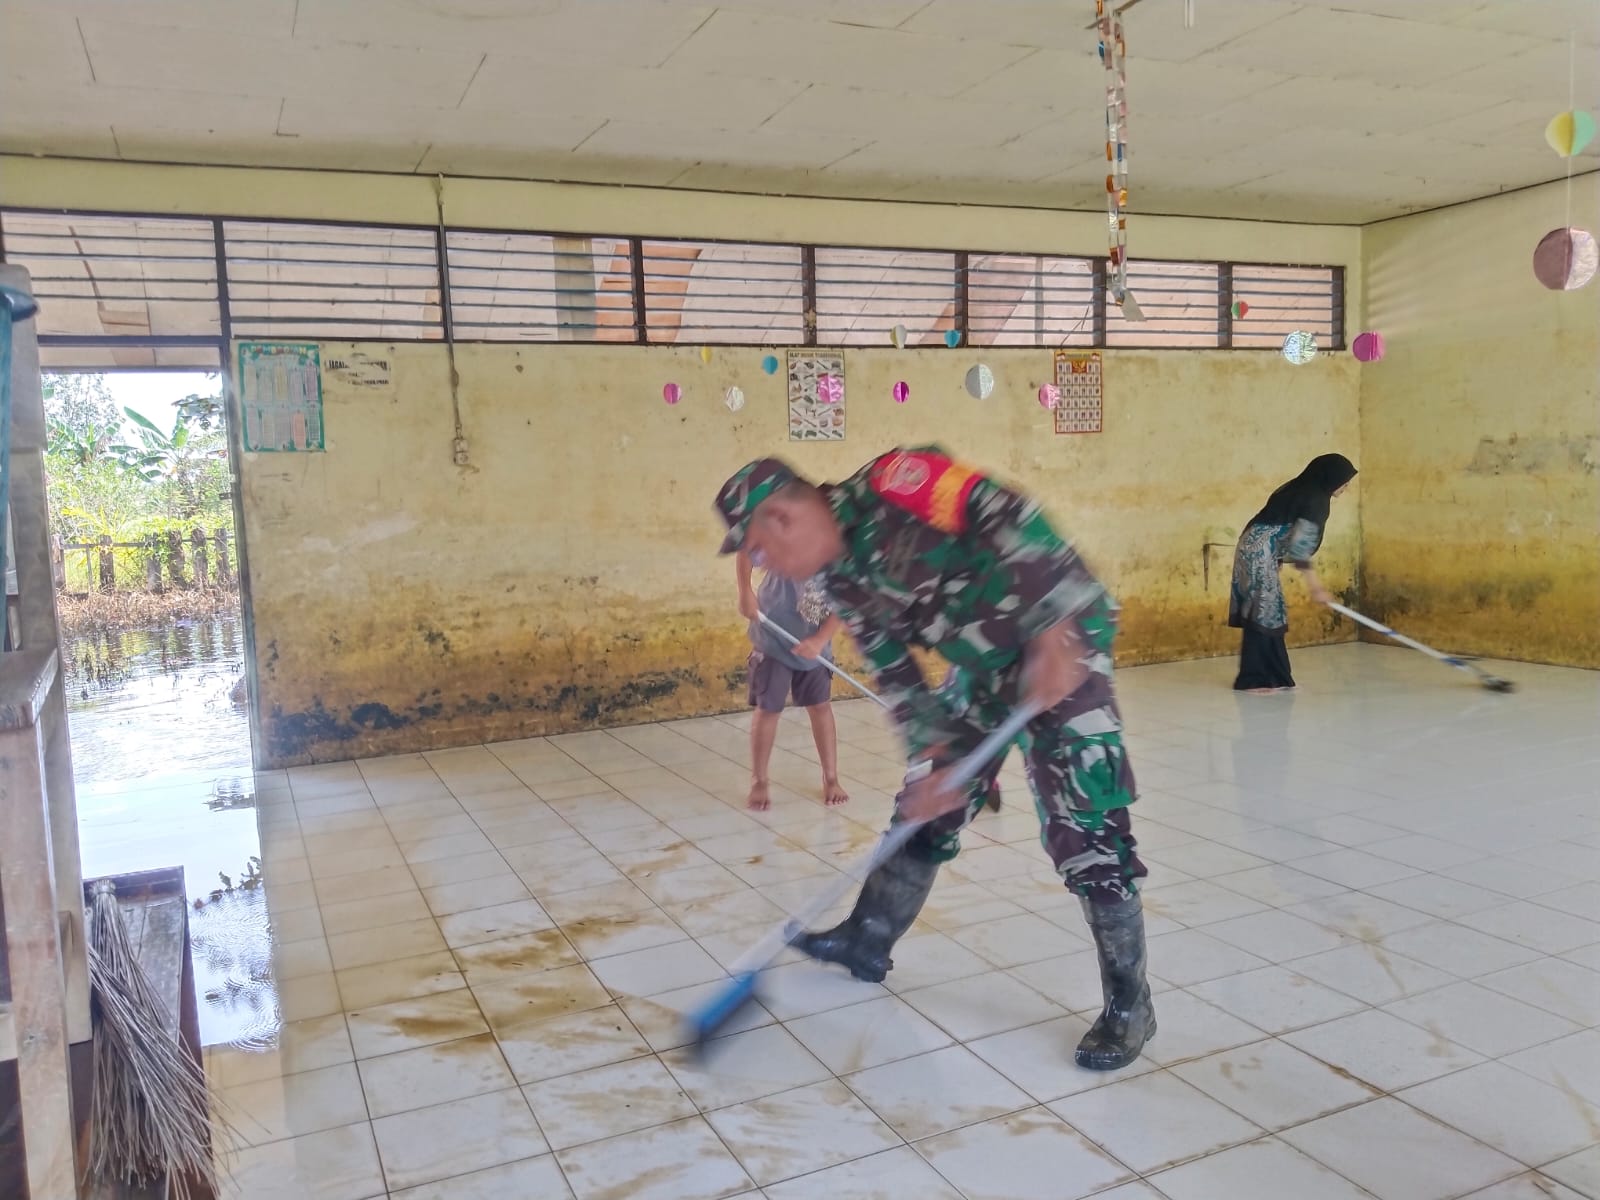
<point>458,446</point>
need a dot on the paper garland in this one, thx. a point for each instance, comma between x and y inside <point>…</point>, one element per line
<point>1113,56</point>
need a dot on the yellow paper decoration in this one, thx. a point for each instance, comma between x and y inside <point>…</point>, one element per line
<point>1569,132</point>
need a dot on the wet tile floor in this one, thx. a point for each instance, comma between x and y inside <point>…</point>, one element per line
<point>1374,918</point>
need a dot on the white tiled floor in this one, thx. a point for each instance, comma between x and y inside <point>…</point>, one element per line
<point>1374,940</point>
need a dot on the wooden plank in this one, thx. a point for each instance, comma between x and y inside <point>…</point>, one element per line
<point>38,985</point>
<point>161,954</point>
<point>64,852</point>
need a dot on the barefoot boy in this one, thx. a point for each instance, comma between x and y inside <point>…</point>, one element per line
<point>778,670</point>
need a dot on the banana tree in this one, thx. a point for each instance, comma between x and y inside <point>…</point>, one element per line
<point>179,458</point>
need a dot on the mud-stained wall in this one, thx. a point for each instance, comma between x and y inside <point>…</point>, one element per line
<point>569,577</point>
<point>1480,433</point>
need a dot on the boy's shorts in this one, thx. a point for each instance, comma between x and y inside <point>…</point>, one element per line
<point>771,682</point>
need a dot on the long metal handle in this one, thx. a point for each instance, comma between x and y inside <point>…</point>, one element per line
<point>1390,633</point>
<point>887,846</point>
<point>837,670</point>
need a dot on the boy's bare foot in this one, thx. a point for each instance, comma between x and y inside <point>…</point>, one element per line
<point>833,795</point>
<point>758,800</point>
<point>1262,691</point>
<point>992,800</point>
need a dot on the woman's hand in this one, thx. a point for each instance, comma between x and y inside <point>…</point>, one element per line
<point>1319,593</point>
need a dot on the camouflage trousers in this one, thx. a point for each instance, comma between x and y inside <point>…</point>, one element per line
<point>1078,772</point>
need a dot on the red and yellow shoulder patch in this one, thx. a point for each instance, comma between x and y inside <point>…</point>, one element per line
<point>928,485</point>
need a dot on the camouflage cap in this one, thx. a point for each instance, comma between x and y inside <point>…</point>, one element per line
<point>743,494</point>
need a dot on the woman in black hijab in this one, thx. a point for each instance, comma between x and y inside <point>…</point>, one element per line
<point>1287,529</point>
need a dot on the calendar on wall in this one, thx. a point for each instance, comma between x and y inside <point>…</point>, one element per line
<point>1080,406</point>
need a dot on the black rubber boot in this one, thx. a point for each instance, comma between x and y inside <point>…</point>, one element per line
<point>889,902</point>
<point>1128,1020</point>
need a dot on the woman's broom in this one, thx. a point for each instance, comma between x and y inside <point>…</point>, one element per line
<point>151,1112</point>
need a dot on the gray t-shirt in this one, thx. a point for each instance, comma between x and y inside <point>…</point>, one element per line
<point>798,608</point>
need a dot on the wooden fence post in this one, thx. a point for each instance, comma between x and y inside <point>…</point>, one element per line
<point>152,565</point>
<point>202,565</point>
<point>175,559</point>
<point>108,565</point>
<point>58,562</point>
<point>224,570</point>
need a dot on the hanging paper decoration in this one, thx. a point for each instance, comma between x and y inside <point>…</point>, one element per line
<point>897,335</point>
<point>1300,347</point>
<point>734,399</point>
<point>769,364</point>
<point>1368,347</point>
<point>980,382</point>
<point>1049,395</point>
<point>901,392</point>
<point>1239,309</point>
<point>952,338</point>
<point>705,354</point>
<point>1569,132</point>
<point>830,389</point>
<point>672,393</point>
<point>1565,259</point>
<point>1113,56</point>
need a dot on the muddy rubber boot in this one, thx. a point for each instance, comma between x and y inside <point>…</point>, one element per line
<point>1128,1020</point>
<point>889,902</point>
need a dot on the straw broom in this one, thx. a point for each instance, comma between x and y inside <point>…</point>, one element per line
<point>150,1109</point>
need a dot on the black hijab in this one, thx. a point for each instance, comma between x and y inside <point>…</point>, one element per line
<point>1309,494</point>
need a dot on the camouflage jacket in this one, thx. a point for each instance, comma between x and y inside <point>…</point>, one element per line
<point>939,557</point>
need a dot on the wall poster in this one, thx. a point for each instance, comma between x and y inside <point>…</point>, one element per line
<point>280,396</point>
<point>1080,407</point>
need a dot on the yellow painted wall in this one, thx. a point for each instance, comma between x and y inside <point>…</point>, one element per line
<point>1479,432</point>
<point>570,577</point>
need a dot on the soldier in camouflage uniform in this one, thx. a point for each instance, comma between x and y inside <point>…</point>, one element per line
<point>917,550</point>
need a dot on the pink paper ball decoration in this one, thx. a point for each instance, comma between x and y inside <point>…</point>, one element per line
<point>830,389</point>
<point>901,392</point>
<point>1368,347</point>
<point>672,393</point>
<point>1049,395</point>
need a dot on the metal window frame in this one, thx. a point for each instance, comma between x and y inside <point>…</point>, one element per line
<point>1094,320</point>
<point>808,303</point>
<point>1097,265</point>
<point>440,279</point>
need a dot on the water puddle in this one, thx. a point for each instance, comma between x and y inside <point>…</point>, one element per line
<point>161,755</point>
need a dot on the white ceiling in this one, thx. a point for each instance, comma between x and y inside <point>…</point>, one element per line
<point>1332,111</point>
